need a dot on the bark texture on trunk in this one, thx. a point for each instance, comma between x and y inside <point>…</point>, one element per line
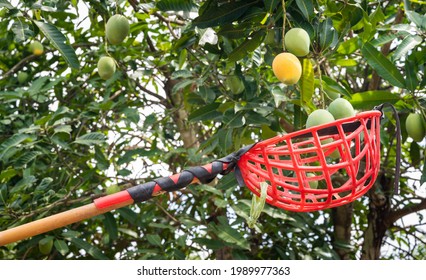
<point>378,224</point>
<point>342,221</point>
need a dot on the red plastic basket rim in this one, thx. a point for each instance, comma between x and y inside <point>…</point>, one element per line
<point>361,115</point>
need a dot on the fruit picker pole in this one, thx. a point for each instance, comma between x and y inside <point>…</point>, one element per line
<point>203,174</point>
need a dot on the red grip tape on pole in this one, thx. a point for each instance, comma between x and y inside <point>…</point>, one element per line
<point>112,199</point>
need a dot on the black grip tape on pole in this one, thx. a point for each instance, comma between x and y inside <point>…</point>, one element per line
<point>145,191</point>
<point>142,192</point>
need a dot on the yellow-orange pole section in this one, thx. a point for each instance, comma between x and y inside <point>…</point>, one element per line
<point>55,221</point>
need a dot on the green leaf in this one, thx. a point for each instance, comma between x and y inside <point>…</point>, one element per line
<point>384,39</point>
<point>271,4</point>
<point>248,46</point>
<point>279,96</point>
<point>71,233</point>
<point>61,246</point>
<point>102,161</point>
<point>307,85</point>
<point>346,62</point>
<point>89,248</point>
<point>210,243</point>
<point>411,76</point>
<point>407,44</point>
<point>182,59</point>
<point>333,88</point>
<point>225,140</point>
<point>154,239</point>
<point>132,115</point>
<point>18,28</point>
<point>415,154</point>
<point>210,189</point>
<point>402,27</point>
<point>377,16</point>
<point>92,138</point>
<point>6,4</point>
<point>12,142</point>
<point>255,118</point>
<point>235,31</point>
<point>128,215</point>
<point>423,177</point>
<point>175,5</point>
<point>352,13</point>
<point>225,13</point>
<point>369,99</point>
<point>349,46</point>
<point>232,119</point>
<point>58,40</point>
<point>306,7</point>
<point>257,205</point>
<point>63,129</point>
<point>111,226</point>
<point>206,113</point>
<point>418,19</point>
<point>3,193</point>
<point>7,174</point>
<point>182,85</point>
<point>129,232</point>
<point>44,184</point>
<point>343,245</point>
<point>207,94</point>
<point>23,184</point>
<point>26,158</point>
<point>327,34</point>
<point>37,85</point>
<point>386,69</point>
<point>232,236</point>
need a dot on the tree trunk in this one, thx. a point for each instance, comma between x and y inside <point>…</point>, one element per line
<point>188,132</point>
<point>342,221</point>
<point>379,210</point>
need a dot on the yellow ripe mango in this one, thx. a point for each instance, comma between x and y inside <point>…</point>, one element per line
<point>297,41</point>
<point>287,68</point>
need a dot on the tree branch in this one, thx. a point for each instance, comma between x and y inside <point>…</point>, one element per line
<point>19,65</point>
<point>398,214</point>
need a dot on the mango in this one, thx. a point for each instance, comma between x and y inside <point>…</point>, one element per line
<point>414,126</point>
<point>319,117</point>
<point>287,68</point>
<point>297,42</point>
<point>117,29</point>
<point>341,108</point>
<point>106,67</point>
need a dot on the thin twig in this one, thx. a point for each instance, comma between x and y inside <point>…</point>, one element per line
<point>284,22</point>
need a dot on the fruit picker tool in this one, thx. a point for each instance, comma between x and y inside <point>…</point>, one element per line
<point>343,157</point>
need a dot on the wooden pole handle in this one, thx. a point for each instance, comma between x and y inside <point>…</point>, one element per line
<point>55,221</point>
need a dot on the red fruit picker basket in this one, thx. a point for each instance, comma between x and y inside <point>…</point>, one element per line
<point>319,167</point>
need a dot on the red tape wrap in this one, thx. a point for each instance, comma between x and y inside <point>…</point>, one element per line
<point>112,199</point>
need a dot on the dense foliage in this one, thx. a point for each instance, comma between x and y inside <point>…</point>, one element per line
<point>194,83</point>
